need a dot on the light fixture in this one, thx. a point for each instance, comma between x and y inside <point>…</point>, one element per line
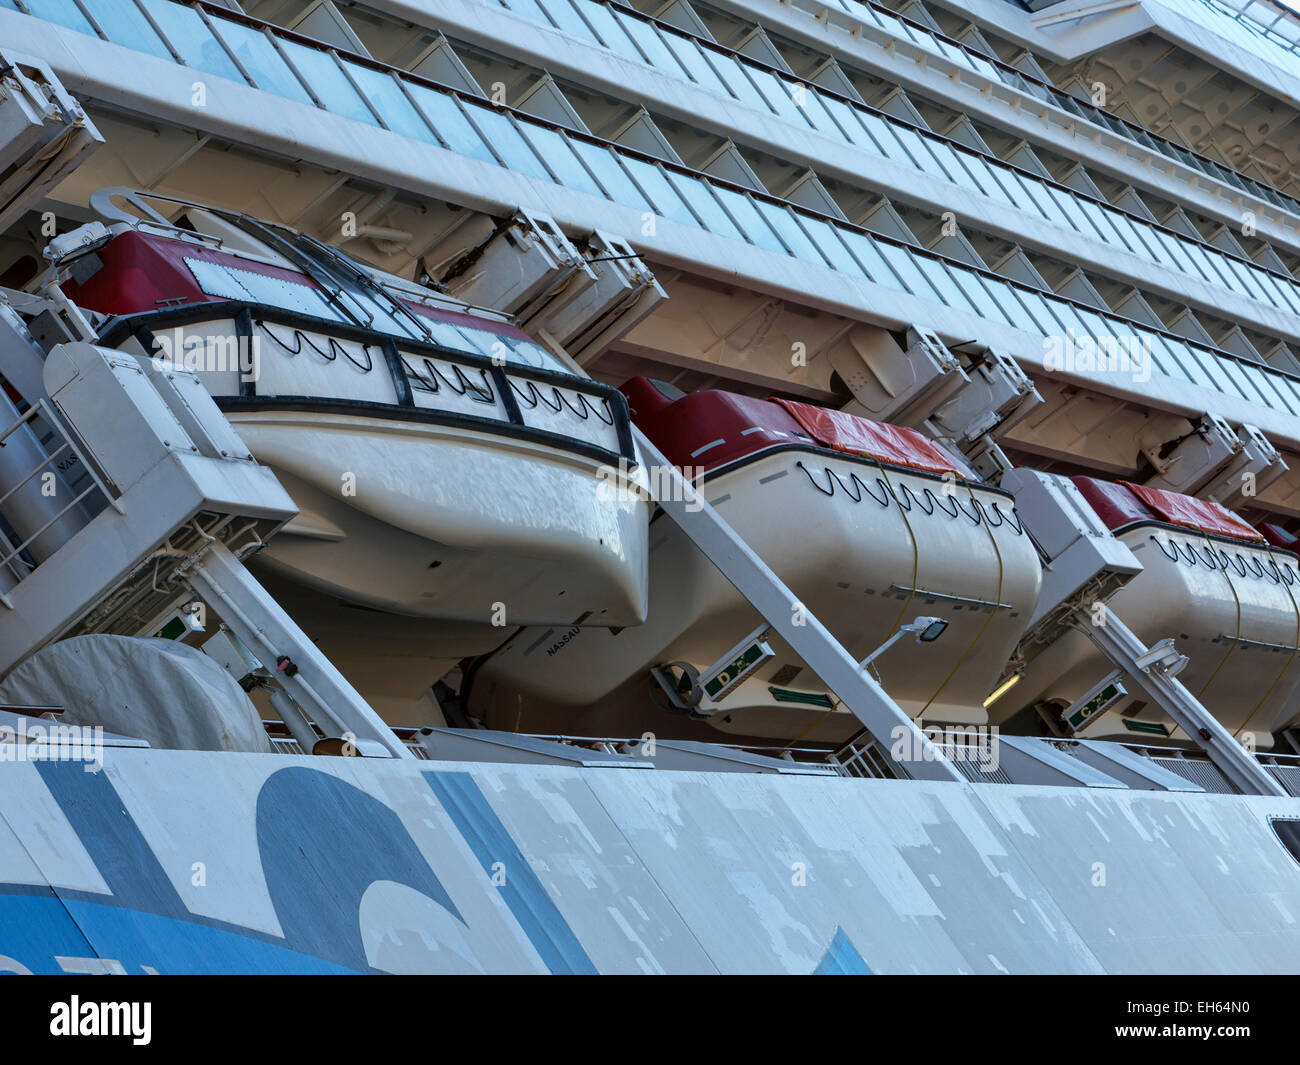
<point>927,630</point>
<point>76,243</point>
<point>1002,689</point>
<point>932,631</point>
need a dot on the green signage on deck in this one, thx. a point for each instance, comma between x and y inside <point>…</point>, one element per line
<point>1094,706</point>
<point>737,668</point>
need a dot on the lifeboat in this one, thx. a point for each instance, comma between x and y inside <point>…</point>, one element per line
<point>447,469</point>
<point>870,526</point>
<point>1225,594</point>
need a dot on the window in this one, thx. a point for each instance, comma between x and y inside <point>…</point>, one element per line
<point>907,267</point>
<point>123,23</point>
<point>663,197</point>
<point>754,225</point>
<point>824,236</point>
<point>387,98</point>
<point>787,224</point>
<point>696,61</point>
<point>504,139</point>
<point>192,39</point>
<point>867,252</point>
<point>706,207</point>
<point>1288,834</point>
<point>566,16</point>
<point>554,149</point>
<point>742,87</point>
<point>264,64</point>
<point>61,13</point>
<point>449,122</point>
<point>615,183</point>
<point>609,30</point>
<point>327,81</point>
<point>780,96</point>
<point>652,46</point>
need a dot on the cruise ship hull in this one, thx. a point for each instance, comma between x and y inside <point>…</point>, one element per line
<point>266,863</point>
<point>651,486</point>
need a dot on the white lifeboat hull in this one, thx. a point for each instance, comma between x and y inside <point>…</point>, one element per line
<point>434,522</point>
<point>830,529</point>
<point>1233,614</point>
<point>441,507</point>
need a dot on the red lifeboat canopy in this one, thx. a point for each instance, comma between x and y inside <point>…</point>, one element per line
<point>1279,537</point>
<point>712,428</point>
<point>894,444</point>
<point>1121,503</point>
<point>144,272</point>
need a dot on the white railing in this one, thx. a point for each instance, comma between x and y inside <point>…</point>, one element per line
<point>57,445</point>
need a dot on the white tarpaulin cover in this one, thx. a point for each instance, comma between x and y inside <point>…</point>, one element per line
<point>171,695</point>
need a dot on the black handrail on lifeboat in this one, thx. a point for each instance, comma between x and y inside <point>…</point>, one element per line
<point>141,326</point>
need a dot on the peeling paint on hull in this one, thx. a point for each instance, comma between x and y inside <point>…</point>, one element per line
<point>190,862</point>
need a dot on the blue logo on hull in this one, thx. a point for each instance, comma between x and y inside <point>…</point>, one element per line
<point>323,843</point>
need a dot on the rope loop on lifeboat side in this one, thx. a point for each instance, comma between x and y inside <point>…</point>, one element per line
<point>461,386</point>
<point>533,395</point>
<point>1011,519</point>
<point>1171,555</point>
<point>861,487</point>
<point>1236,562</point>
<point>907,498</point>
<point>330,354</point>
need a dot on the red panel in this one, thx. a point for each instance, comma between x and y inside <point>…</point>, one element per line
<point>1279,537</point>
<point>1114,503</point>
<point>145,272</point>
<point>1203,514</point>
<point>709,428</point>
<point>887,443</point>
<point>139,274</point>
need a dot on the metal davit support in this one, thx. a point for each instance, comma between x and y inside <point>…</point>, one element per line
<point>809,639</point>
<point>44,135</point>
<point>309,678</point>
<point>182,502</point>
<point>1153,669</point>
<point>1084,565</point>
